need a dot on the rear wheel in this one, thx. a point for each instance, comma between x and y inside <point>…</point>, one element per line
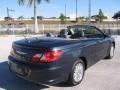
<point>77,73</point>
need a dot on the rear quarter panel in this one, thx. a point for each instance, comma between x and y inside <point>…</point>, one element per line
<point>71,53</point>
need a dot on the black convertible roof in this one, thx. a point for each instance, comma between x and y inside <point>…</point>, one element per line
<point>72,26</point>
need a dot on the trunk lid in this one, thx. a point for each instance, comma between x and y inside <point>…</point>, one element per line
<point>25,49</point>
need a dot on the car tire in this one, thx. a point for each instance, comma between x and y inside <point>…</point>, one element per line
<point>77,73</point>
<point>111,52</point>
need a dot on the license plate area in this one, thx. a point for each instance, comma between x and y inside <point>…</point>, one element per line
<point>19,69</point>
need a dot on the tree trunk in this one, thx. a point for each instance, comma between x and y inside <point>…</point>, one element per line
<point>35,18</point>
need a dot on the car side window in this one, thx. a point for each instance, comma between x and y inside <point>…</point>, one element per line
<point>76,32</point>
<point>71,31</point>
<point>93,32</point>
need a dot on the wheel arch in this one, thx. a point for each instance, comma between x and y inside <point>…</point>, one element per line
<point>85,61</point>
<point>113,43</point>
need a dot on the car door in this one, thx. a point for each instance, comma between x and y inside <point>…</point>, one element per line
<point>102,44</point>
<point>88,44</point>
<point>102,48</point>
<point>90,51</point>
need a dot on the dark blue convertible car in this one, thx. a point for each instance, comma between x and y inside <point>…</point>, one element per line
<point>50,60</point>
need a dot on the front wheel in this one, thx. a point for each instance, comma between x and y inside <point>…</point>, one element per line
<point>77,73</point>
<point>111,52</point>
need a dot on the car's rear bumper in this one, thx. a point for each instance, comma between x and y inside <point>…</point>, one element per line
<point>48,76</point>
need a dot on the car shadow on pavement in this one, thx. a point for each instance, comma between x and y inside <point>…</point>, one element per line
<point>9,81</point>
<point>62,84</point>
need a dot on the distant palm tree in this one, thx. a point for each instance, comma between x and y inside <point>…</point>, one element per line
<point>20,18</point>
<point>62,18</point>
<point>100,17</point>
<point>30,2</point>
<point>117,15</point>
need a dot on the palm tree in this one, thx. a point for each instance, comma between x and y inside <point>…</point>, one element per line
<point>30,2</point>
<point>99,17</point>
<point>20,18</point>
<point>117,15</point>
<point>62,18</point>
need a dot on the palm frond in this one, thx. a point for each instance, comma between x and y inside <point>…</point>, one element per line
<point>39,1</point>
<point>30,2</point>
<point>47,0</point>
<point>21,2</point>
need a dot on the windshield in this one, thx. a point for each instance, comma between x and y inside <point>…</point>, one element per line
<point>88,32</point>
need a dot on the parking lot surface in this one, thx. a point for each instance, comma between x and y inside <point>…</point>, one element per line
<point>105,75</point>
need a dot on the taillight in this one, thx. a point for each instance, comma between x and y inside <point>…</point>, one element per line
<point>36,57</point>
<point>50,56</point>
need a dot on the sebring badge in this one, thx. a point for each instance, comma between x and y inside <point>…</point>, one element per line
<point>22,53</point>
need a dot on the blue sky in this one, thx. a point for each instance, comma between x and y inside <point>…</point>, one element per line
<point>55,7</point>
